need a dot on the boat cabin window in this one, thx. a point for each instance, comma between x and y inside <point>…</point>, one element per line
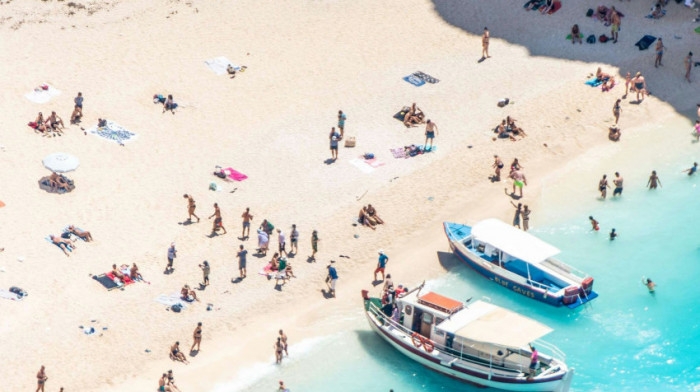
<point>438,321</point>
<point>468,242</point>
<point>408,310</point>
<point>427,318</point>
<point>481,248</point>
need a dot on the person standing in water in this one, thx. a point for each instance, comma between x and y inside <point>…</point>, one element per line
<point>41,378</point>
<point>618,185</point>
<point>283,337</point>
<point>518,211</point>
<point>603,186</point>
<point>613,235</point>
<point>485,44</point>
<point>653,180</point>
<point>430,131</point>
<point>191,206</point>
<point>594,223</point>
<point>279,348</point>
<point>218,222</point>
<point>616,110</point>
<point>526,218</point>
<point>650,285</point>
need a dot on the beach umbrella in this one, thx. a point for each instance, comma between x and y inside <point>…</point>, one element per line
<point>61,162</point>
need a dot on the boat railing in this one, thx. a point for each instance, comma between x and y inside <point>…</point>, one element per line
<point>554,351</point>
<point>567,268</point>
<point>449,351</point>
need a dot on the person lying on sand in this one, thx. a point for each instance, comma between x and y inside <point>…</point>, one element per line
<point>373,214</point>
<point>188,294</point>
<point>63,244</point>
<point>85,235</point>
<point>601,76</point>
<point>176,354</point>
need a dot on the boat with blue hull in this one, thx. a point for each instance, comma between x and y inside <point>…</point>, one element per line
<point>519,262</point>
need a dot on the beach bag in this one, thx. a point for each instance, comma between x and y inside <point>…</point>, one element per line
<point>590,12</point>
<point>176,308</point>
<point>369,155</point>
<point>20,293</point>
<point>350,141</point>
<point>591,39</point>
<point>603,38</point>
<point>213,186</point>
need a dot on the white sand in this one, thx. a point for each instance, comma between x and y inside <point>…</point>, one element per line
<point>306,60</point>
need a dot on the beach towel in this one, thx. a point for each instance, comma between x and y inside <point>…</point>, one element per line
<point>555,7</point>
<point>645,42</point>
<point>172,299</point>
<point>234,175</point>
<point>360,164</point>
<point>373,162</point>
<point>398,153</point>
<point>425,77</point>
<point>414,80</point>
<point>402,113</point>
<point>568,37</point>
<point>267,271</point>
<point>219,65</point>
<point>113,132</point>
<point>69,247</point>
<point>106,281</point>
<point>594,82</point>
<point>9,295</point>
<point>42,94</point>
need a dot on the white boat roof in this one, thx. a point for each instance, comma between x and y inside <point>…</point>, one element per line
<point>513,241</point>
<point>484,322</point>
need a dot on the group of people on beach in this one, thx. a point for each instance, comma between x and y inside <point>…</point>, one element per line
<point>53,124</point>
<point>369,217</point>
<point>507,129</point>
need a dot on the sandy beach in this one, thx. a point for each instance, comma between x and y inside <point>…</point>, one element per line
<point>305,61</point>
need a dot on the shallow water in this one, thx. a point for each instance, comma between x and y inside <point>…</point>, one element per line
<point>626,340</point>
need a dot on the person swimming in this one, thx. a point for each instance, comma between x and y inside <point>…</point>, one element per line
<point>650,285</point>
<point>594,223</point>
<point>692,170</point>
<point>613,235</point>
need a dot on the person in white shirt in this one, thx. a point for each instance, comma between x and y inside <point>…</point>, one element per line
<point>282,242</point>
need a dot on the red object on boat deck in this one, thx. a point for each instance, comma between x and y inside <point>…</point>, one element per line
<point>587,285</point>
<point>570,295</point>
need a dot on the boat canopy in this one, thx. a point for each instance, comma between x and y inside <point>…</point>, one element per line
<point>484,322</point>
<point>513,241</point>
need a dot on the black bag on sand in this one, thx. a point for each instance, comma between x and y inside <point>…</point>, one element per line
<point>590,12</point>
<point>591,39</point>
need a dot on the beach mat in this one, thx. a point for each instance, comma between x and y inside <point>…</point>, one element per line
<point>398,153</point>
<point>402,113</point>
<point>374,162</point>
<point>219,64</point>
<point>106,281</point>
<point>39,95</point>
<point>594,82</point>
<point>645,42</point>
<point>172,299</point>
<point>113,132</point>
<point>414,80</point>
<point>234,175</point>
<point>360,164</point>
<point>425,77</point>
<point>9,295</point>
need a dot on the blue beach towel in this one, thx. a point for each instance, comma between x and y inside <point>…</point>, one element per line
<point>48,238</point>
<point>67,235</point>
<point>594,82</point>
<point>414,80</point>
<point>645,42</point>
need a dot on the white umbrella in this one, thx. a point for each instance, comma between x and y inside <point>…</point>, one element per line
<point>60,162</point>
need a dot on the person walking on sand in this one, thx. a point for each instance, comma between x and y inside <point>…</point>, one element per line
<point>172,254</point>
<point>41,378</point>
<point>498,165</point>
<point>381,265</point>
<point>485,44</point>
<point>659,53</point>
<point>688,65</point>
<point>279,348</point>
<point>283,338</point>
<point>653,180</point>
<point>77,109</point>
<point>518,211</point>
<point>191,206</point>
<point>206,269</point>
<point>294,237</point>
<point>430,131</point>
<point>197,337</point>
<point>692,169</point>
<point>341,123</point>
<point>526,218</point>
<point>242,255</point>
<point>334,138</point>
<point>628,79</point>
<point>519,181</point>
<point>218,222</point>
<point>618,185</point>
<point>616,110</point>
<point>331,279</point>
<point>603,186</point>
<point>282,239</point>
<point>314,244</point>
<point>615,24</point>
<point>594,223</point>
<point>247,218</point>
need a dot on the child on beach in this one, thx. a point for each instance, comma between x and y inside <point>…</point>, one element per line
<point>594,223</point>
<point>696,133</point>
<point>654,180</point>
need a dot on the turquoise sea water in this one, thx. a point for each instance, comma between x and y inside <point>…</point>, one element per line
<point>627,340</point>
